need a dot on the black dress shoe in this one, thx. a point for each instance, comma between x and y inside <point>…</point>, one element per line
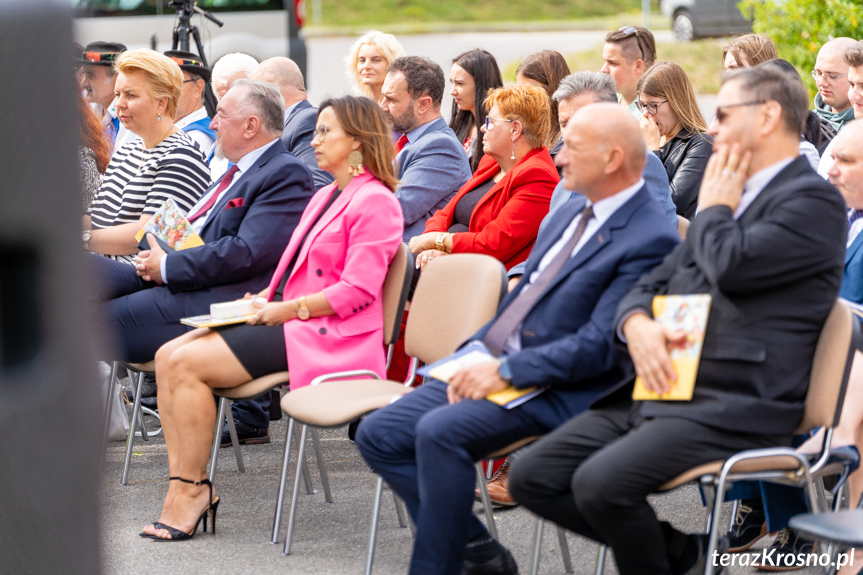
<point>785,553</point>
<point>503,564</point>
<point>246,435</point>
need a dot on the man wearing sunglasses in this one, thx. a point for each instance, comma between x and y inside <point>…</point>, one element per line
<point>627,54</point>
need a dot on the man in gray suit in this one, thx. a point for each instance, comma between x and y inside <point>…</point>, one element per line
<point>300,115</point>
<point>431,163</point>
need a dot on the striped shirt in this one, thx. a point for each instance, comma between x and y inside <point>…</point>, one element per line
<point>138,181</point>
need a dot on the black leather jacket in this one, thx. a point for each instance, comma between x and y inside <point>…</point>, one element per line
<point>685,159</point>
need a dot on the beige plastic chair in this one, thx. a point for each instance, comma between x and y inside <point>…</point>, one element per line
<point>455,296</point>
<point>831,367</point>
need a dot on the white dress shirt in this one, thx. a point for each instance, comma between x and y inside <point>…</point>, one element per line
<point>204,141</point>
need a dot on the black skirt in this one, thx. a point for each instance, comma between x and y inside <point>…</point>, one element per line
<point>260,349</point>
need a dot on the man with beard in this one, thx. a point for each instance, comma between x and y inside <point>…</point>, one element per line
<point>245,219</point>
<point>430,161</point>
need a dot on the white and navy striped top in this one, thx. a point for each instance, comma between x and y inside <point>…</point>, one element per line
<point>138,181</point>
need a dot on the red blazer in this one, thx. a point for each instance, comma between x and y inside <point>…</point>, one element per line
<point>505,221</point>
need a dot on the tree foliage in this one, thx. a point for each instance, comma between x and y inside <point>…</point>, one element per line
<point>800,27</point>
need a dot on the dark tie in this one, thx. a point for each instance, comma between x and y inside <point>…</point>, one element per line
<point>226,181</point>
<point>514,314</point>
<point>853,216</point>
<point>403,141</point>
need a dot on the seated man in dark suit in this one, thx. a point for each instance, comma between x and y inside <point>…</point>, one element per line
<point>767,245</point>
<point>430,161</point>
<point>300,114</point>
<point>554,330</point>
<point>245,220</point>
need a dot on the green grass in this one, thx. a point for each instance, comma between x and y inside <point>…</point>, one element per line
<point>358,14</point>
<point>700,59</point>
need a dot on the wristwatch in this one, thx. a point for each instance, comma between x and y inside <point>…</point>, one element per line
<point>85,237</point>
<point>504,371</point>
<point>439,242</point>
<point>302,310</point>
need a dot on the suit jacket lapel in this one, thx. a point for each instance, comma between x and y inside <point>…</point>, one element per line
<point>792,170</point>
<point>301,105</point>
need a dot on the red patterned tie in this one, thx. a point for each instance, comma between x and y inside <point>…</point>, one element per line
<point>403,141</point>
<point>226,181</point>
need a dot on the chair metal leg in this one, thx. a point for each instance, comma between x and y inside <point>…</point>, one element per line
<point>322,469</point>
<point>400,510</point>
<point>486,503</point>
<point>217,439</point>
<point>537,545</point>
<point>307,479</point>
<point>144,434</point>
<point>373,534</point>
<point>564,550</point>
<point>111,387</point>
<point>232,430</point>
<point>601,553</point>
<point>296,491</point>
<point>136,410</point>
<point>280,498</point>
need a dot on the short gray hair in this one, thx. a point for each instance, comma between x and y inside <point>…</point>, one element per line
<point>600,85</point>
<point>263,100</point>
<point>230,64</point>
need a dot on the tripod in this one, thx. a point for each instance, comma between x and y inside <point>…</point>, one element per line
<point>182,31</point>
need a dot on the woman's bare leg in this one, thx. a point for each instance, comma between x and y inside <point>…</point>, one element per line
<point>166,416</point>
<point>194,368</point>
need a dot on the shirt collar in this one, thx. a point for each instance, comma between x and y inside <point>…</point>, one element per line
<point>605,208</point>
<point>757,182</point>
<point>246,161</point>
<point>290,109</point>
<point>420,130</point>
<point>198,114</point>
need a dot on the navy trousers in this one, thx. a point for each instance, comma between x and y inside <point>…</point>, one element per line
<point>142,316</point>
<point>426,449</point>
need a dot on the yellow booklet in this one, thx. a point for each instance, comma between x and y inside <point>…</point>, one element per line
<point>170,228</point>
<point>680,312</point>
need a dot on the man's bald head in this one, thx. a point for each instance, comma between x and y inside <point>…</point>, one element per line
<point>286,75</point>
<point>846,173</point>
<point>604,151</point>
<point>837,46</point>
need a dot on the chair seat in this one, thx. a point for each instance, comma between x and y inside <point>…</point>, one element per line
<point>335,403</point>
<point>149,367</point>
<point>253,388</point>
<point>844,527</point>
<point>774,463</point>
<point>512,447</point>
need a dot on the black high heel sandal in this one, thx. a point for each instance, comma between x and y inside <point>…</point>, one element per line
<point>156,524</point>
<point>210,510</point>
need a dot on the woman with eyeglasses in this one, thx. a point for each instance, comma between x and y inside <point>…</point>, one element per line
<point>675,131</point>
<point>499,209</point>
<point>321,313</point>
<point>472,75</point>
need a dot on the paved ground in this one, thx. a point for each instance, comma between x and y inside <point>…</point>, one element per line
<point>329,539</point>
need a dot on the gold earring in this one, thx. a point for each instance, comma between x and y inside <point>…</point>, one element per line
<point>355,162</point>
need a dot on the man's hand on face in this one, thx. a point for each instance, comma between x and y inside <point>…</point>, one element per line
<point>724,176</point>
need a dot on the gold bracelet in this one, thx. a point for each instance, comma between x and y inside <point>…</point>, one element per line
<point>439,242</point>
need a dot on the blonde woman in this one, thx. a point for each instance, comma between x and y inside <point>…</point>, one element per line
<point>368,60</point>
<point>162,163</point>
<point>675,130</point>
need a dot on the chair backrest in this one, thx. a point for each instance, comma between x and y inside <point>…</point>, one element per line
<point>682,226</point>
<point>831,367</point>
<point>455,296</point>
<point>395,292</point>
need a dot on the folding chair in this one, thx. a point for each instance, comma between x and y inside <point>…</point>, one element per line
<point>841,528</point>
<point>455,296</point>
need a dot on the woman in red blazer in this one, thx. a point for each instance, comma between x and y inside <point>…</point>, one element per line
<point>498,211</point>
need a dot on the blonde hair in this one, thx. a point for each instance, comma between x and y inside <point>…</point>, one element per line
<point>668,80</point>
<point>755,48</point>
<point>387,45</point>
<point>164,77</point>
<point>529,105</point>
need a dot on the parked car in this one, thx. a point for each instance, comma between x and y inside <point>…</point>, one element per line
<point>692,19</point>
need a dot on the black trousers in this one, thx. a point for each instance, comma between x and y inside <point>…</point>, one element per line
<point>593,474</point>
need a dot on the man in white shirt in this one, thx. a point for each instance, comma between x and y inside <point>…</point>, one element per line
<point>192,117</point>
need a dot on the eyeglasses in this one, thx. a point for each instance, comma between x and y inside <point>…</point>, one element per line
<point>651,107</point>
<point>321,133</point>
<point>489,119</point>
<point>816,74</point>
<point>721,114</point>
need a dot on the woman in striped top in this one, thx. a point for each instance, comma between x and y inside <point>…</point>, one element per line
<point>163,163</point>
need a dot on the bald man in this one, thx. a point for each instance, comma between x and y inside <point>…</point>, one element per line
<point>767,245</point>
<point>831,78</point>
<point>853,61</point>
<point>552,332</point>
<point>300,114</point>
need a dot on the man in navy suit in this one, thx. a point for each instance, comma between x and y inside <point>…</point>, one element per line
<point>554,330</point>
<point>431,164</point>
<point>245,220</point>
<point>300,115</point>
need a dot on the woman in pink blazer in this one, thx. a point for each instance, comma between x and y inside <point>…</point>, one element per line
<point>321,312</point>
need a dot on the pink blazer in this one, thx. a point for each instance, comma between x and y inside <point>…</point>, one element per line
<point>347,255</point>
